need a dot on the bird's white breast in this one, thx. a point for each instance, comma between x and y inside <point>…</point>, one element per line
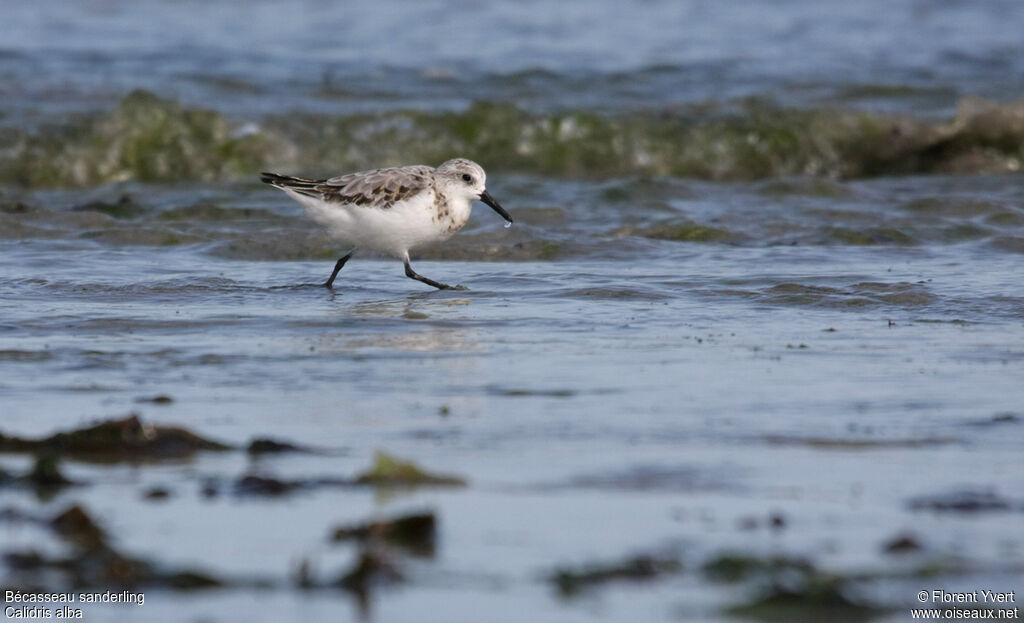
<point>393,230</point>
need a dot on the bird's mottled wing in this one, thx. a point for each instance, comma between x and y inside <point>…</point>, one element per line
<point>380,188</point>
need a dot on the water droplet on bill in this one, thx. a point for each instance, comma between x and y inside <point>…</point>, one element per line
<point>508,224</point>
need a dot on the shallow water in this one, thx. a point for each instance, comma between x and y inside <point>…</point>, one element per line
<point>661,401</point>
<point>719,324</point>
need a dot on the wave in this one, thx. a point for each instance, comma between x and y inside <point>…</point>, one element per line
<point>152,139</point>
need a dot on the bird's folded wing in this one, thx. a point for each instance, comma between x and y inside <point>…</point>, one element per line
<point>380,188</point>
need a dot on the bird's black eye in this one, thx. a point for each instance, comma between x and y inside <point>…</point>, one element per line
<point>466,177</point>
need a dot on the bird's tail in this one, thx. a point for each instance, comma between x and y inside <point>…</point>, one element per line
<point>287,181</point>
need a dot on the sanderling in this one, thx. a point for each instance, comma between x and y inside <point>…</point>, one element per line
<point>392,210</point>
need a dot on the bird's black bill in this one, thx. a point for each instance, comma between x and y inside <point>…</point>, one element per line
<point>489,200</point>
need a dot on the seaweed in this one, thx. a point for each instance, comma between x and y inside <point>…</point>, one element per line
<point>126,439</point>
<point>45,477</point>
<point>415,533</point>
<point>154,139</point>
<point>902,544</point>
<point>965,501</point>
<point>733,567</point>
<point>571,581</point>
<point>124,208</point>
<point>155,494</point>
<point>816,597</point>
<point>77,526</point>
<point>93,562</point>
<point>789,589</point>
<point>160,399</point>
<point>46,473</point>
<point>371,569</point>
<point>253,484</point>
<point>681,231</point>
<point>265,445</point>
<point>389,471</point>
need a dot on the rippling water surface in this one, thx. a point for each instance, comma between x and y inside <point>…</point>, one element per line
<point>759,316</point>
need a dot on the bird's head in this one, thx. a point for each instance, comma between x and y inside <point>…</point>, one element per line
<point>465,178</point>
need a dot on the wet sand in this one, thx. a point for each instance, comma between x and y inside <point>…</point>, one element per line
<point>728,400</point>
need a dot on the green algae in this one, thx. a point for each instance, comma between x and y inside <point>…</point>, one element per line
<point>687,232</point>
<point>547,250</point>
<point>123,208</point>
<point>152,139</point>
<point>731,567</point>
<point>1006,219</point>
<point>805,187</point>
<point>390,471</point>
<point>145,138</point>
<point>964,231</point>
<point>819,597</point>
<point>789,589</point>
<point>682,231</point>
<point>864,294</point>
<point>951,206</point>
<point>141,235</point>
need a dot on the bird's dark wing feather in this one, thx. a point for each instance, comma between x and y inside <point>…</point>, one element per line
<point>379,188</point>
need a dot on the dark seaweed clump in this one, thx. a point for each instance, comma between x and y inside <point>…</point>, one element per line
<point>378,561</point>
<point>387,472</point>
<point>965,501</point>
<point>735,567</point>
<point>116,440</point>
<point>92,561</point>
<point>266,445</point>
<point>570,581</point>
<point>789,589</point>
<point>130,439</point>
<point>415,533</point>
<point>45,478</point>
<point>810,598</point>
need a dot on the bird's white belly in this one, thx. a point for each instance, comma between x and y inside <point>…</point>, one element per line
<point>393,230</point>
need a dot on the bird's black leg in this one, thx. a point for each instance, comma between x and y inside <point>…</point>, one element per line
<point>409,272</point>
<point>337,267</point>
